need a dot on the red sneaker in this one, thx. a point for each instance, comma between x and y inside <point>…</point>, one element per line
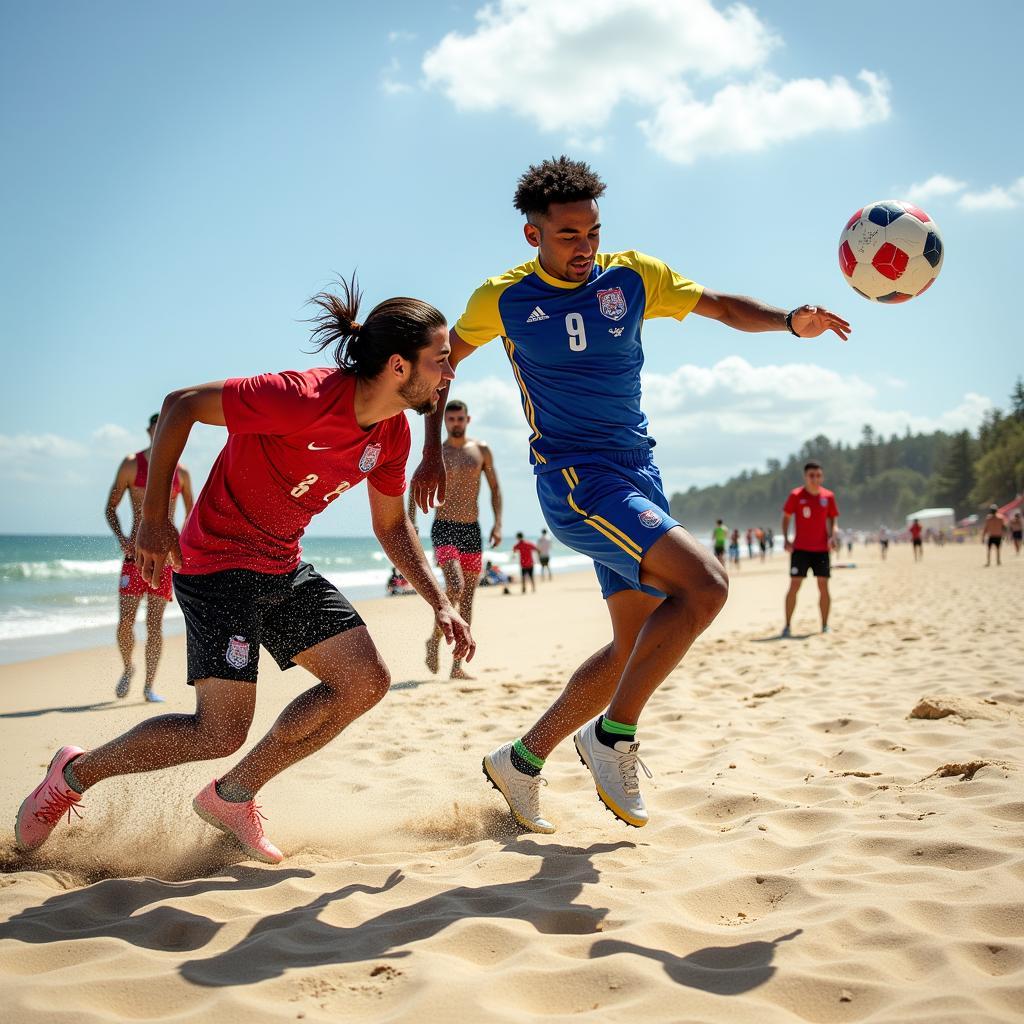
<point>43,808</point>
<point>239,820</point>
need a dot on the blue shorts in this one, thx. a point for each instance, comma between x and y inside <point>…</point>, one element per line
<point>611,508</point>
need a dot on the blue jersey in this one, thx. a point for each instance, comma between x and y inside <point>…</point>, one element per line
<point>576,350</point>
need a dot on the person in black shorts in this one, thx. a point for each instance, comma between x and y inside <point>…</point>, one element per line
<point>814,511</point>
<point>296,442</point>
<point>1017,530</point>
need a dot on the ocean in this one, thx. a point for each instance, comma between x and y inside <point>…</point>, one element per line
<point>59,593</point>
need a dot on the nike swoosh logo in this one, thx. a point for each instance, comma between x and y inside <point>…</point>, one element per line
<point>317,447</point>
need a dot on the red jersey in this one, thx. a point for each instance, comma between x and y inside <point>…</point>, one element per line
<point>524,549</point>
<point>810,512</point>
<point>293,447</point>
<point>915,531</point>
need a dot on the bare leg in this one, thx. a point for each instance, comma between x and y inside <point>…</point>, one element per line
<point>128,607</point>
<point>218,728</point>
<point>591,686</point>
<point>155,608</point>
<point>824,600</point>
<point>353,679</point>
<point>465,606</point>
<point>453,583</point>
<point>794,586</point>
<point>696,590</point>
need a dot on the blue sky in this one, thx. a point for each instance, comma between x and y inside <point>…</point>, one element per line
<point>179,179</point>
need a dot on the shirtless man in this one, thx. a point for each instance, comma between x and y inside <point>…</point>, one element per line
<point>1017,530</point>
<point>458,544</point>
<point>992,534</point>
<point>131,477</point>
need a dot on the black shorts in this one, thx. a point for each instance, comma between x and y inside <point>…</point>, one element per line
<point>527,571</point>
<point>1018,535</point>
<point>544,560</point>
<point>464,537</point>
<point>800,562</point>
<point>918,542</point>
<point>994,542</point>
<point>229,614</point>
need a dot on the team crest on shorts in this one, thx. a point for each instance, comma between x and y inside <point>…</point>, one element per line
<point>371,453</point>
<point>612,303</point>
<point>649,518</point>
<point>237,654</point>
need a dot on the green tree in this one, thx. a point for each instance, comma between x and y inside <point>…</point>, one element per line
<point>956,477</point>
<point>1000,471</point>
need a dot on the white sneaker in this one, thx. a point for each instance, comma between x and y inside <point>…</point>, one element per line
<point>521,791</point>
<point>614,771</point>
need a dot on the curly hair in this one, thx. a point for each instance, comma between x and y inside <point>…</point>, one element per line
<point>558,180</point>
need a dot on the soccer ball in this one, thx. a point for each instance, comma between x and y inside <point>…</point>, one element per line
<point>890,251</point>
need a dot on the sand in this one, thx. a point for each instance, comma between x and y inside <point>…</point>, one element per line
<point>835,835</point>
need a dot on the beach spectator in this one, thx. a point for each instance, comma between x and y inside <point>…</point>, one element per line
<point>494,577</point>
<point>760,538</point>
<point>883,542</point>
<point>398,585</point>
<point>992,534</point>
<point>1017,530</point>
<point>544,554</point>
<point>734,548</point>
<point>814,510</point>
<point>131,478</point>
<point>916,541</point>
<point>719,539</point>
<point>750,542</point>
<point>296,442</point>
<point>769,538</point>
<point>525,550</point>
<point>456,536</point>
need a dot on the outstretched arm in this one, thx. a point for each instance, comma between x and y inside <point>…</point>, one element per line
<point>746,314</point>
<point>397,537</point>
<point>427,486</point>
<point>121,483</point>
<point>157,538</point>
<point>492,482</point>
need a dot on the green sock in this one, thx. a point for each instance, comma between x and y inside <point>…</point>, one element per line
<point>609,732</point>
<point>525,760</point>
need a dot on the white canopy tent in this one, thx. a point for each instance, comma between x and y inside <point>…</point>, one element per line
<point>933,518</point>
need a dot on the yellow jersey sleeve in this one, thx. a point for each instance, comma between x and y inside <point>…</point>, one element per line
<point>481,322</point>
<point>668,293</point>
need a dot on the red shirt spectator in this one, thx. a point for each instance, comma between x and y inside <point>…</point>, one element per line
<point>811,513</point>
<point>525,549</point>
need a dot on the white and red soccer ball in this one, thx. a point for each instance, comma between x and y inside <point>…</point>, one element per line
<point>890,251</point>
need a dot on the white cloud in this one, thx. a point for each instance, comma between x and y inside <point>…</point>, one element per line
<point>568,72</point>
<point>937,186</point>
<point>995,198</point>
<point>389,83</point>
<point>753,116</point>
<point>21,447</point>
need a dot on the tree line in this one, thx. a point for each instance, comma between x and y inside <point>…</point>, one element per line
<point>879,480</point>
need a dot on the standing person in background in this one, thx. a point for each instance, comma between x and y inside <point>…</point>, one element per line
<point>456,536</point>
<point>816,513</point>
<point>544,554</point>
<point>734,548</point>
<point>1017,530</point>
<point>916,540</point>
<point>132,476</point>
<point>992,534</point>
<point>750,542</point>
<point>297,441</point>
<point>525,549</point>
<point>719,538</point>
<point>759,536</point>
<point>769,537</point>
<point>883,542</point>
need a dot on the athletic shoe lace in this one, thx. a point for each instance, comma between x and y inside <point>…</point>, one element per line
<point>57,802</point>
<point>254,817</point>
<point>627,769</point>
<point>533,794</point>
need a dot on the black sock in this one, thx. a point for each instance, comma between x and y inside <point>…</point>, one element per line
<point>610,733</point>
<point>71,778</point>
<point>232,792</point>
<point>521,763</point>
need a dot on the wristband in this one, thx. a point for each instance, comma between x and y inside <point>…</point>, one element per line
<point>789,323</point>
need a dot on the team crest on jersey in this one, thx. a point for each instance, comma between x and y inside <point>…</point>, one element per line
<point>823,501</point>
<point>371,453</point>
<point>612,303</point>
<point>237,654</point>
<point>649,517</point>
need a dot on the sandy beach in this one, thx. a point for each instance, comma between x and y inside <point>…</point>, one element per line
<point>835,835</point>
